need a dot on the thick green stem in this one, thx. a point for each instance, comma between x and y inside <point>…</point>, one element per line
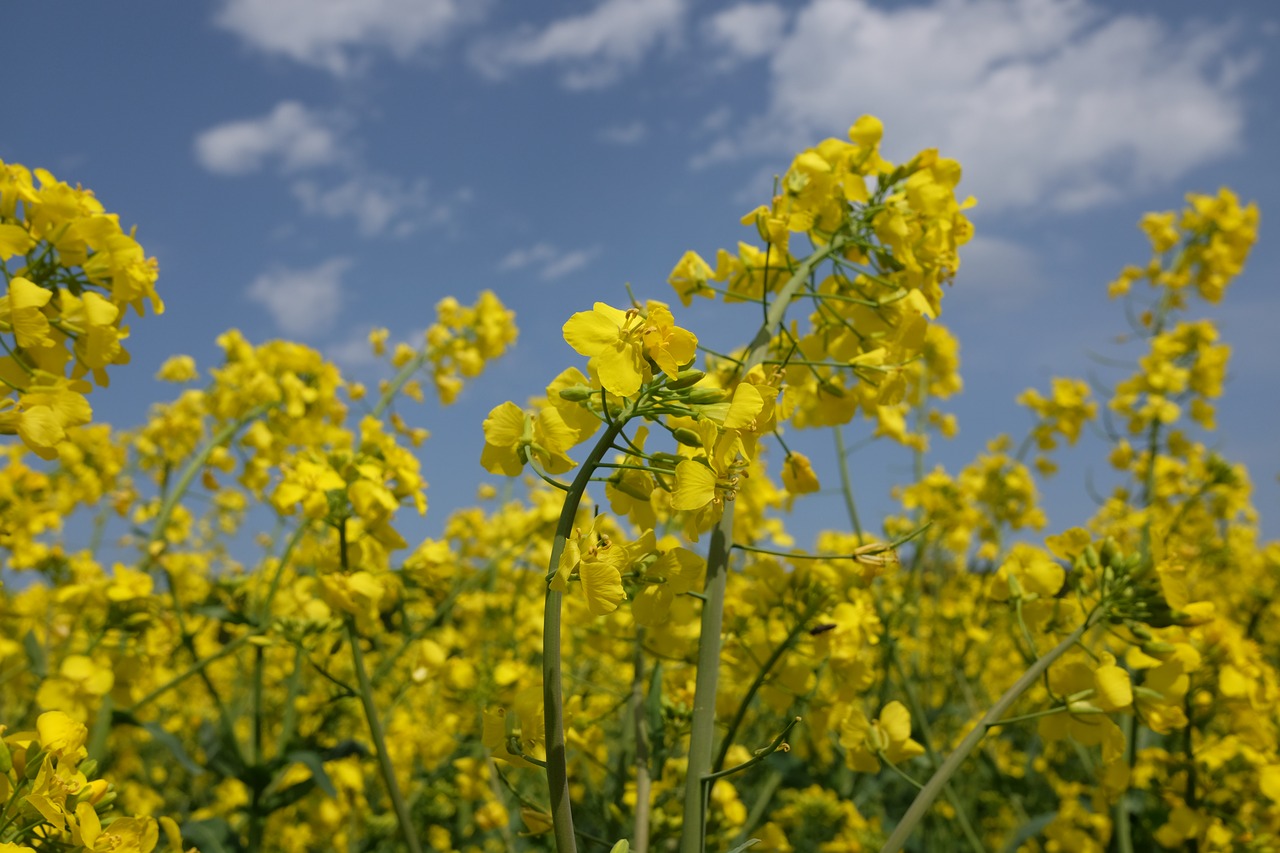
<point>640,715</point>
<point>702,733</point>
<point>943,775</point>
<point>398,802</point>
<point>552,691</point>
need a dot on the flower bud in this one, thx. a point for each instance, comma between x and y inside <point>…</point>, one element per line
<point>577,394</point>
<point>703,396</point>
<point>1158,649</point>
<point>1090,557</point>
<point>628,487</point>
<point>666,460</point>
<point>1081,706</point>
<point>687,437</point>
<point>685,379</point>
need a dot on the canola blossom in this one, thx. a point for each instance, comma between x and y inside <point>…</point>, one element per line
<point>621,645</point>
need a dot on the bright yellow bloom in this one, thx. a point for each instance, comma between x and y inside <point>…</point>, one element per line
<point>179,368</point>
<point>511,436</point>
<point>21,313</point>
<point>123,835</point>
<point>598,563</point>
<point>608,338</point>
<point>618,342</point>
<point>888,737</point>
<point>798,475</point>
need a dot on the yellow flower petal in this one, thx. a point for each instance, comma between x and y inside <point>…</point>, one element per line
<point>695,486</point>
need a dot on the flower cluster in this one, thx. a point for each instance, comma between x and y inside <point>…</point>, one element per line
<point>259,655</point>
<point>74,274</point>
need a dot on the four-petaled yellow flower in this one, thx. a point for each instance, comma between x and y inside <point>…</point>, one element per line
<point>620,343</point>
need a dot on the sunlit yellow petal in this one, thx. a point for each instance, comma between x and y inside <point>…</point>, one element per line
<point>695,486</point>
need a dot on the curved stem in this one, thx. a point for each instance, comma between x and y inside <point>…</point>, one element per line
<point>552,691</point>
<point>371,716</point>
<point>944,773</point>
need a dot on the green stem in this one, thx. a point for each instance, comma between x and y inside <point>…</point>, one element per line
<point>943,775</point>
<point>702,731</point>
<point>640,715</point>
<point>398,802</point>
<point>846,484</point>
<point>229,649</point>
<point>552,691</point>
<point>379,742</point>
<point>778,743</point>
<point>761,675</point>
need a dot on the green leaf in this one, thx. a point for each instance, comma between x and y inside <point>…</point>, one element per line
<point>170,741</point>
<point>657,728</point>
<point>209,836</point>
<point>35,654</point>
<point>750,843</point>
<point>315,764</point>
<point>1029,830</point>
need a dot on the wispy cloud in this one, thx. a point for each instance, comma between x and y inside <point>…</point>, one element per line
<point>340,36</point>
<point>302,302</point>
<point>746,31</point>
<point>1005,274</point>
<point>378,204</point>
<point>550,262</point>
<point>1047,103</point>
<point>290,136</point>
<point>595,48</point>
<point>631,133</point>
<point>326,175</point>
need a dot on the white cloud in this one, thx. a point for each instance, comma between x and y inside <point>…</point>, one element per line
<point>1056,103</point>
<point>550,262</point>
<point>625,134</point>
<point>302,302</point>
<point>339,35</point>
<point>1003,274</point>
<point>746,31</point>
<point>595,48</point>
<point>292,135</point>
<point>379,204</point>
<point>353,353</point>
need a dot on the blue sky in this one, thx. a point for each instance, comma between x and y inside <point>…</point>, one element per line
<point>313,168</point>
